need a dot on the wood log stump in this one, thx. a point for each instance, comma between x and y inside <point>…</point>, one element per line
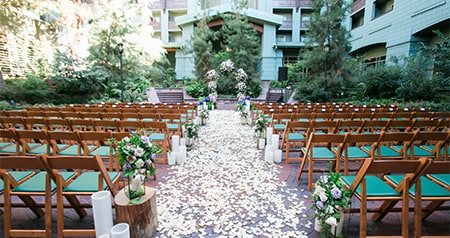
<point>142,217</point>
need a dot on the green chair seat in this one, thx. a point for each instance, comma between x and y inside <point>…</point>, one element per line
<point>37,183</point>
<point>428,188</point>
<point>323,153</point>
<point>443,178</point>
<point>5,144</point>
<point>296,136</point>
<point>279,126</point>
<point>172,126</point>
<point>17,175</point>
<point>157,136</point>
<point>375,186</point>
<point>103,151</point>
<point>88,182</point>
<point>356,152</point>
<point>417,151</point>
<point>386,151</point>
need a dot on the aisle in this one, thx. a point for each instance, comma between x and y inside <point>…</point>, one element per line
<point>225,188</point>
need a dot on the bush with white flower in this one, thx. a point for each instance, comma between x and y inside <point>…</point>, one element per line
<point>136,153</point>
<point>330,200</point>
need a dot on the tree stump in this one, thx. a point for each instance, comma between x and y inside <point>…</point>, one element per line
<point>142,217</point>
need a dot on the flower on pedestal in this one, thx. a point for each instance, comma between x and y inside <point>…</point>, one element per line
<point>135,154</point>
<point>191,130</point>
<point>204,115</point>
<point>259,125</point>
<point>330,201</point>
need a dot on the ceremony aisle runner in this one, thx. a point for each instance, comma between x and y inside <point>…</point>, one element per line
<point>225,188</point>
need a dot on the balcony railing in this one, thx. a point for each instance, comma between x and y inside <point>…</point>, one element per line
<point>286,25</point>
<point>168,4</point>
<point>358,4</point>
<point>292,3</point>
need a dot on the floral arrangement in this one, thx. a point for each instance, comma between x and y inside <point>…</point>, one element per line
<point>259,124</point>
<point>135,153</point>
<point>204,113</point>
<point>242,110</point>
<point>191,129</point>
<point>330,200</point>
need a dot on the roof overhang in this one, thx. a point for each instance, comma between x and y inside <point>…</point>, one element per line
<point>254,15</point>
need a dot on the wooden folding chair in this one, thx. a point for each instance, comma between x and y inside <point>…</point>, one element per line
<point>35,123</point>
<point>33,142</point>
<point>129,125</point>
<point>394,145</point>
<point>37,184</point>
<point>65,143</point>
<point>173,122</point>
<point>432,187</point>
<point>93,178</point>
<point>96,143</point>
<point>160,135</point>
<point>9,143</point>
<point>352,149</point>
<point>58,124</point>
<point>13,122</point>
<point>367,186</point>
<point>279,122</point>
<point>431,144</point>
<point>294,136</point>
<point>320,147</point>
<point>106,125</point>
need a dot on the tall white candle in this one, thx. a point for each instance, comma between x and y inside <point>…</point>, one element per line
<point>175,142</point>
<point>261,143</point>
<point>171,158</point>
<point>102,211</point>
<point>182,141</point>
<point>121,230</point>
<point>275,141</point>
<point>269,132</point>
<point>181,155</point>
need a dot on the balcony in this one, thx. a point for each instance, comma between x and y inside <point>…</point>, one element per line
<point>357,5</point>
<point>292,3</point>
<point>286,25</point>
<point>168,4</point>
<point>156,26</point>
<point>173,26</point>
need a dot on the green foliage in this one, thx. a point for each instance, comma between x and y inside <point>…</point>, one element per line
<point>381,81</point>
<point>201,43</point>
<point>196,89</point>
<point>32,90</point>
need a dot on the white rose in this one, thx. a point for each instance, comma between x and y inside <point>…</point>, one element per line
<point>139,152</point>
<point>139,163</point>
<point>321,193</point>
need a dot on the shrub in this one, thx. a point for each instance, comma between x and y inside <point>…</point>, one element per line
<point>381,81</point>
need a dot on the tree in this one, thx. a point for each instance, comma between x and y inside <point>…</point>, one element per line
<point>202,49</point>
<point>327,47</point>
<point>242,45</point>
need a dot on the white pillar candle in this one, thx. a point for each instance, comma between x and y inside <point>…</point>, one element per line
<point>121,230</point>
<point>102,211</point>
<point>275,141</point>
<point>171,158</point>
<point>277,156</point>
<point>181,155</point>
<point>182,141</point>
<point>261,143</point>
<point>269,132</point>
<point>269,154</point>
<point>175,143</point>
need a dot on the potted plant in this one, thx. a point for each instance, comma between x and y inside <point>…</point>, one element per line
<point>330,201</point>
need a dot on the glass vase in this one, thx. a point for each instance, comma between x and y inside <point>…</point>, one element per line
<point>135,187</point>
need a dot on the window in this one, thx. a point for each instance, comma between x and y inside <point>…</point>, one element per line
<point>374,61</point>
<point>381,7</point>
<point>357,19</point>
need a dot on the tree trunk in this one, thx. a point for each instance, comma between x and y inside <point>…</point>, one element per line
<point>142,217</point>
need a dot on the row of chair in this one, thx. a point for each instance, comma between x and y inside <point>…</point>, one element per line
<point>332,116</point>
<point>345,148</point>
<point>335,107</point>
<point>394,181</point>
<point>148,114</point>
<point>173,123</point>
<point>60,178</point>
<point>71,143</point>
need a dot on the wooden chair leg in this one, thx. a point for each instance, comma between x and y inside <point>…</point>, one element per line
<point>363,211</point>
<point>302,165</point>
<point>418,210</point>
<point>405,210</point>
<point>430,208</point>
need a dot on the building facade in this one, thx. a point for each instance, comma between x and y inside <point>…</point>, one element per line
<point>281,24</point>
<point>382,29</point>
<point>379,28</point>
